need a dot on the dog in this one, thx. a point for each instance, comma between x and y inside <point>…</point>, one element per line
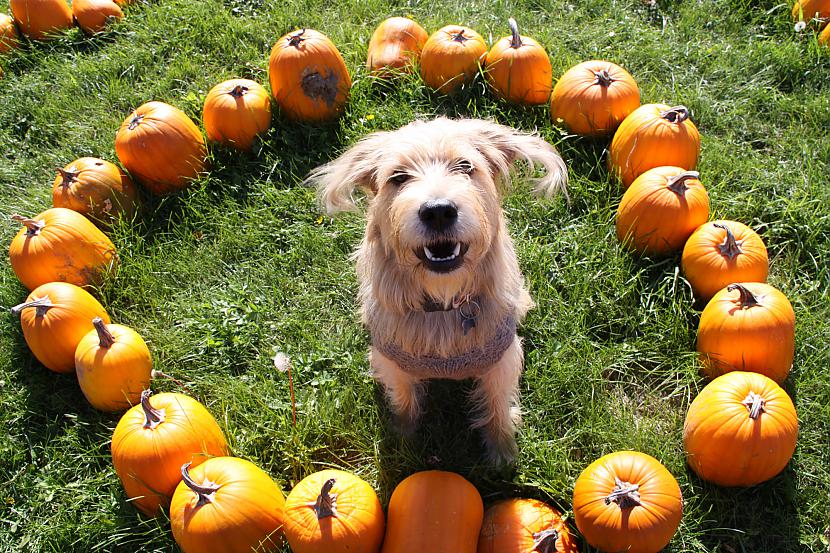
<point>440,287</point>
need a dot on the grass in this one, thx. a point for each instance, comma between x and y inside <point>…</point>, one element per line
<point>221,277</point>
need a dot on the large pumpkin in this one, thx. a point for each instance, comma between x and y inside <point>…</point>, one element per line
<point>55,317</point>
<point>161,147</point>
<point>451,58</point>
<point>805,10</point>
<point>154,439</point>
<point>524,526</point>
<point>395,44</point>
<point>226,505</point>
<point>235,112</point>
<point>60,245</point>
<point>594,97</point>
<point>435,511</point>
<point>333,511</point>
<point>8,34</point>
<point>309,79</point>
<point>41,19</point>
<point>740,430</point>
<point>94,15</point>
<point>627,501</point>
<point>95,188</point>
<point>518,69</point>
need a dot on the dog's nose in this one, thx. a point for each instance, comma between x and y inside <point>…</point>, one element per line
<point>438,214</point>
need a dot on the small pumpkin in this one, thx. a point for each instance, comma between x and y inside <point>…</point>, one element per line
<point>161,147</point>
<point>824,36</point>
<point>235,112</point>
<point>60,245</point>
<point>54,318</point>
<point>41,19</point>
<point>309,79</point>
<point>93,16</point>
<point>8,34</point>
<point>518,69</point>
<point>661,209</point>
<point>154,439</point>
<point>721,252</point>
<point>95,188</point>
<point>651,136</point>
<point>592,98</point>
<point>395,44</point>
<point>524,526</point>
<point>451,58</point>
<point>226,505</point>
<point>740,430</point>
<point>627,501</point>
<point>333,511</point>
<point>806,10</point>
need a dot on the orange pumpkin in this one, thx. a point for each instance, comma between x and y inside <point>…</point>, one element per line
<point>627,501</point>
<point>434,511</point>
<point>720,253</point>
<point>8,34</point>
<point>41,19</point>
<point>651,136</point>
<point>451,57</point>
<point>113,366</point>
<point>824,36</point>
<point>309,79</point>
<point>395,44</point>
<point>806,10</point>
<point>226,505</point>
<point>94,15</point>
<point>518,69</point>
<point>235,112</point>
<point>60,245</point>
<point>594,97</point>
<point>95,188</point>
<point>661,209</point>
<point>740,430</point>
<point>161,147</point>
<point>153,440</point>
<point>333,511</point>
<point>55,317</point>
<point>524,526</point>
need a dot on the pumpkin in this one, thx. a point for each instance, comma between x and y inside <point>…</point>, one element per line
<point>154,439</point>
<point>524,526</point>
<point>309,79</point>
<point>740,430</point>
<point>451,57</point>
<point>226,505</point>
<point>594,97</point>
<point>333,511</point>
<point>60,245</point>
<point>721,252</point>
<point>661,209</point>
<point>518,69</point>
<point>806,10</point>
<point>747,327</point>
<point>235,112</point>
<point>651,136</point>
<point>627,501</point>
<point>8,34</point>
<point>113,366</point>
<point>94,15</point>
<point>95,188</point>
<point>161,147</point>
<point>434,511</point>
<point>40,19</point>
<point>824,36</point>
<point>54,318</point>
<point>395,44</point>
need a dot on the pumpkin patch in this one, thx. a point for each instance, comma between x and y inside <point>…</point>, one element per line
<point>95,188</point>
<point>451,58</point>
<point>518,69</point>
<point>396,44</point>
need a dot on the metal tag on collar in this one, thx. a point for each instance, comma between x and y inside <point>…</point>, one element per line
<point>469,311</point>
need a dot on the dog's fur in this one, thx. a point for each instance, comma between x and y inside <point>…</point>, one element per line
<point>467,162</point>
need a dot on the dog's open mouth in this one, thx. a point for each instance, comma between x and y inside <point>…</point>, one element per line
<point>442,257</point>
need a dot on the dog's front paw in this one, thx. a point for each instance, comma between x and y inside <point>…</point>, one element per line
<point>500,437</point>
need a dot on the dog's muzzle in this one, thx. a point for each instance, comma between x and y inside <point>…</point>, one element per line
<point>443,254</point>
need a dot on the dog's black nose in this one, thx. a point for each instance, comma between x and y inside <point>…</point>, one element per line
<point>438,214</point>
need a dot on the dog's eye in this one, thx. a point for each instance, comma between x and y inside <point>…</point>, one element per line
<point>463,166</point>
<point>399,178</point>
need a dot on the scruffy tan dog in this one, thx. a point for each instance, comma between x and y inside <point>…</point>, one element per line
<point>440,287</point>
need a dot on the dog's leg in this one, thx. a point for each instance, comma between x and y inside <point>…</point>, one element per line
<point>496,397</point>
<point>403,390</point>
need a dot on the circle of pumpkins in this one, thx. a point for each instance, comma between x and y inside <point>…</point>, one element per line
<point>170,453</point>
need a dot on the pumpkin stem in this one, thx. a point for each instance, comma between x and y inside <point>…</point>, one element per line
<point>326,504</point>
<point>68,177</point>
<point>625,494</point>
<point>152,416</point>
<point>677,114</point>
<point>459,36</point>
<point>105,337</point>
<point>545,541</point>
<point>135,121</point>
<point>516,41</point>
<point>33,227</point>
<point>41,305</point>
<point>603,78</point>
<point>238,91</point>
<point>730,248</point>
<point>677,184</point>
<point>205,491</point>
<point>748,299</point>
<point>295,40</point>
<point>755,404</point>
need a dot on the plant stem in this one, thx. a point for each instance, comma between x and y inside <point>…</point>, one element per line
<point>33,227</point>
<point>755,404</point>
<point>545,541</point>
<point>105,337</point>
<point>676,114</point>
<point>41,304</point>
<point>677,184</point>
<point>206,491</point>
<point>152,416</point>
<point>748,299</point>
<point>67,177</point>
<point>516,41</point>
<point>625,494</point>
<point>730,247</point>
<point>603,78</point>
<point>326,504</point>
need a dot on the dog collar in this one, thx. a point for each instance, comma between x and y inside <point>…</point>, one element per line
<point>469,308</point>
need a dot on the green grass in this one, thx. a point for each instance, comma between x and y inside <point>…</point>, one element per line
<point>220,277</point>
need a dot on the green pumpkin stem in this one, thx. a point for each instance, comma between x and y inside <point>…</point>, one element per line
<point>152,416</point>
<point>33,227</point>
<point>326,504</point>
<point>625,494</point>
<point>516,41</point>
<point>295,40</point>
<point>730,248</point>
<point>41,305</point>
<point>68,178</point>
<point>238,91</point>
<point>603,78</point>
<point>105,337</point>
<point>677,184</point>
<point>676,114</point>
<point>755,404</point>
<point>748,299</point>
<point>206,491</point>
<point>545,541</point>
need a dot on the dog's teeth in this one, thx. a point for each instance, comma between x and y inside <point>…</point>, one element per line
<point>432,257</point>
<point>457,249</point>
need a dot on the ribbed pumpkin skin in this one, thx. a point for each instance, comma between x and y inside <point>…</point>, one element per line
<point>518,69</point>
<point>709,270</point>
<point>53,334</point>
<point>395,44</point>
<point>68,248</point>
<point>244,515</point>
<point>309,79</point>
<point>805,10</point>
<point>590,105</point>
<point>95,188</point>
<point>148,460</point>
<point>657,214</point>
<point>161,147</point>
<point>450,58</point>
<point>8,34</point>
<point>644,528</point>
<point>94,15</point>
<point>517,525</point>
<point>824,36</point>
<point>357,526</point>
<point>648,138</point>
<point>39,19</point>
<point>434,511</point>
<point>725,445</point>
<point>235,112</point>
